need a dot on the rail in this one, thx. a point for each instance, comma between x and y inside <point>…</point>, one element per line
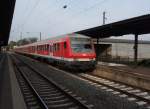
<point>36,81</point>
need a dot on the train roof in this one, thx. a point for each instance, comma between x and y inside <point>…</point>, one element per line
<point>69,35</point>
<point>47,41</point>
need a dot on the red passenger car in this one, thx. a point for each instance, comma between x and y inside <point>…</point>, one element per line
<point>72,51</point>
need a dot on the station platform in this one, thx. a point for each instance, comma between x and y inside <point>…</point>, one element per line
<point>136,76</point>
<point>139,70</point>
<point>10,94</point>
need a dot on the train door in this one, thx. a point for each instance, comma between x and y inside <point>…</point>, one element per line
<point>65,49</point>
<point>62,50</point>
<point>54,49</point>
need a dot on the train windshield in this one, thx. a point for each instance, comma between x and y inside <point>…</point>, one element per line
<point>81,45</point>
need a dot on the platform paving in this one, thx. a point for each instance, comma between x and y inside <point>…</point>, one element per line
<point>10,95</point>
<point>5,86</point>
<point>135,76</point>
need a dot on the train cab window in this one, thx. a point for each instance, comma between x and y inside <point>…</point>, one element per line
<point>65,45</point>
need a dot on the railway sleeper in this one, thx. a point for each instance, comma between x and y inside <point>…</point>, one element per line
<point>61,101</point>
<point>62,106</point>
<point>54,98</point>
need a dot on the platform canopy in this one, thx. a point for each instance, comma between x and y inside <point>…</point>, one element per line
<point>137,25</point>
<point>6,15</point>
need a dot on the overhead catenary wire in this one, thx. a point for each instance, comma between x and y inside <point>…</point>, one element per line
<point>57,13</point>
<point>81,12</point>
<point>29,15</point>
<point>16,27</point>
<point>25,21</point>
<point>89,8</point>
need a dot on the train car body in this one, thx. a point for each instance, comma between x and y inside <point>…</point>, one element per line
<point>73,51</point>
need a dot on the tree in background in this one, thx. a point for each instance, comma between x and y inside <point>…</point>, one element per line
<point>12,44</point>
<point>27,41</point>
<point>24,41</point>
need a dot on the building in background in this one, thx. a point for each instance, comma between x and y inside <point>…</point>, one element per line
<point>121,50</point>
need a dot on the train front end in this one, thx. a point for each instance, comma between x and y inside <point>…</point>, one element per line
<point>82,52</point>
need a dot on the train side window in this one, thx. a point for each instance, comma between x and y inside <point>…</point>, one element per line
<point>50,49</point>
<point>58,47</point>
<point>65,45</point>
<point>47,47</point>
<point>43,47</point>
<point>54,47</point>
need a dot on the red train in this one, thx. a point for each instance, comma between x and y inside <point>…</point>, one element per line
<point>73,51</point>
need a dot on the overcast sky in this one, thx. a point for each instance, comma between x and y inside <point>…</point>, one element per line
<point>50,18</point>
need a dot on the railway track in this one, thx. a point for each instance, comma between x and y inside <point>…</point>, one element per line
<point>42,93</point>
<point>141,97</point>
<point>133,94</point>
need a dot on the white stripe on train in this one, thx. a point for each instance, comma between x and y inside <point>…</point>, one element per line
<point>62,58</point>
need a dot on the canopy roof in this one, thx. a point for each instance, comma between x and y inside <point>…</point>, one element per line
<point>6,15</point>
<point>137,25</point>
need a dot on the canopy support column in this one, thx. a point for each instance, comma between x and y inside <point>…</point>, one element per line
<point>97,54</point>
<point>98,40</point>
<point>136,48</point>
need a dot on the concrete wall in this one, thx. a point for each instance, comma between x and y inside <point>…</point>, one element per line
<point>126,50</point>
